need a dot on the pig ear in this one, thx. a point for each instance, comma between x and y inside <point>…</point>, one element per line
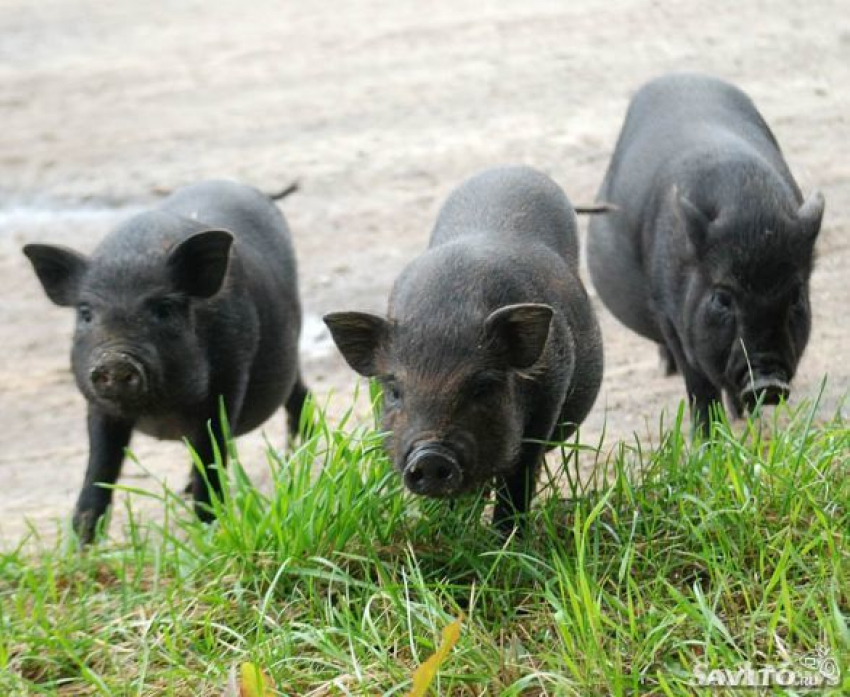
<point>696,222</point>
<point>522,330</point>
<point>358,337</point>
<point>199,263</point>
<point>60,271</point>
<point>810,215</point>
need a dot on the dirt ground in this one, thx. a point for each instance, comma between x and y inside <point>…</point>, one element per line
<point>378,108</point>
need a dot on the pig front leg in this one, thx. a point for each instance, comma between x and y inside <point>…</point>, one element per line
<point>703,396</point>
<point>514,492</point>
<point>702,393</point>
<point>108,439</point>
<point>204,484</point>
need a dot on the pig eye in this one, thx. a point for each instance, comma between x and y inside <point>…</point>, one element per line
<point>163,309</point>
<point>721,300</point>
<point>392,392</point>
<point>84,313</point>
<point>484,386</point>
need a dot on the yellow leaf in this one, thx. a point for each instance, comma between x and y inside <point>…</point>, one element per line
<point>253,682</point>
<point>425,674</point>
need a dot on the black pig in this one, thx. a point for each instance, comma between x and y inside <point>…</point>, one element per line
<point>709,249</point>
<point>179,307</point>
<point>490,347</point>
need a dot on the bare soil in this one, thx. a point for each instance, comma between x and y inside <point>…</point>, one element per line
<point>378,108</point>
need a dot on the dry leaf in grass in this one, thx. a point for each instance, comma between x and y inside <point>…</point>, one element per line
<point>425,674</point>
<point>248,681</point>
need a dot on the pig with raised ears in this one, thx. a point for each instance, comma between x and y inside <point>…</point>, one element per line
<point>490,348</point>
<point>710,244</point>
<point>190,303</point>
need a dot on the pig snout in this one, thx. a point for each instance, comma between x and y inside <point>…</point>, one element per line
<point>770,390</point>
<point>432,469</point>
<point>765,384</point>
<point>118,377</point>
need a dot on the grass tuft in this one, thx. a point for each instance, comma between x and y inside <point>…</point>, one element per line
<point>636,567</point>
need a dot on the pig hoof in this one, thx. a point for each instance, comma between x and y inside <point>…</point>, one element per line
<point>509,527</point>
<point>204,512</point>
<point>85,527</point>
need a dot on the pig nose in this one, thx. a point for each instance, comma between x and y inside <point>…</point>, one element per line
<point>769,389</point>
<point>432,469</point>
<point>117,377</point>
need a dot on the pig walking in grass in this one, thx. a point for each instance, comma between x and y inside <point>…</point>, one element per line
<point>188,304</point>
<point>709,249</point>
<point>490,347</point>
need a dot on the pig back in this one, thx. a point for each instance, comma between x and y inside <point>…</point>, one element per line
<point>514,204</point>
<point>680,119</point>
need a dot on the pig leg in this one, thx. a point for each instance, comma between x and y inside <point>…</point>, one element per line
<point>514,492</point>
<point>205,484</point>
<point>703,394</point>
<point>701,391</point>
<point>108,439</point>
<point>668,361</point>
<point>294,404</point>
<point>203,447</point>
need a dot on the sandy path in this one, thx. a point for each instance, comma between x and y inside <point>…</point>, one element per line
<point>379,108</point>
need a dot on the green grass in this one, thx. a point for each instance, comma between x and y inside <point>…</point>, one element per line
<point>712,553</point>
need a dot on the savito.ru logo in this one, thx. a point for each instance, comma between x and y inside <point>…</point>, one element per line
<point>816,669</point>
